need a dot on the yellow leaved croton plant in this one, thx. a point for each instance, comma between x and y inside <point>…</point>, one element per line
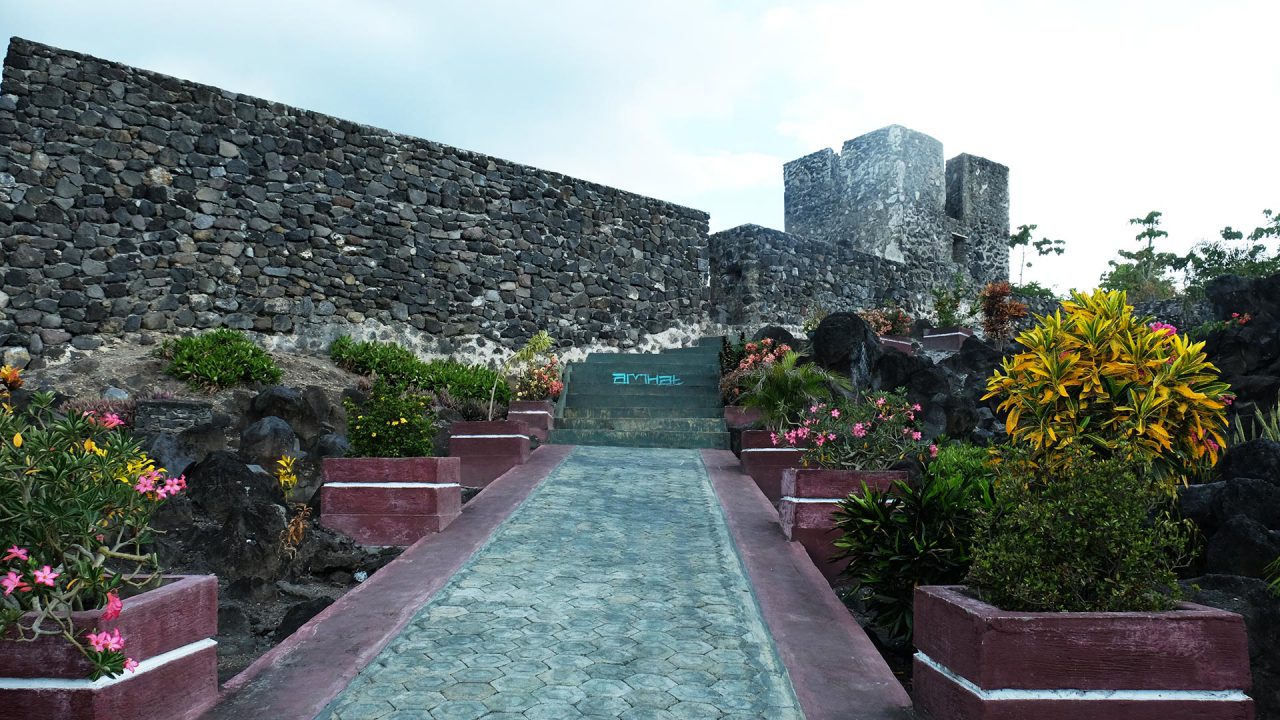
<point>1123,386</point>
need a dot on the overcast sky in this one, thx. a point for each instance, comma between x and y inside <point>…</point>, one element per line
<point>1103,110</point>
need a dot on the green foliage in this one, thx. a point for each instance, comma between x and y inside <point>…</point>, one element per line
<point>1044,246</point>
<point>913,534</point>
<point>1093,374</point>
<point>528,354</point>
<point>813,317</point>
<point>1265,425</point>
<point>397,365</point>
<point>732,353</point>
<point>76,503</point>
<point>1034,289</point>
<point>948,302</point>
<point>1210,260</point>
<point>870,433</point>
<point>217,359</point>
<point>1091,534</point>
<point>1273,572</point>
<point>755,356</point>
<point>783,389</point>
<point>1148,274</point>
<point>395,421</point>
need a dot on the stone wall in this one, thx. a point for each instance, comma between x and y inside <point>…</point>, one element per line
<point>131,200</point>
<point>766,277</point>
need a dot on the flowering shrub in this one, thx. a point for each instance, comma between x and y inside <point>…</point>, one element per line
<point>395,421</point>
<point>756,355</point>
<point>813,317</point>
<point>999,311</point>
<point>539,381</point>
<point>76,497</point>
<point>1236,320</point>
<point>517,363</point>
<point>1093,374</point>
<point>887,321</point>
<point>111,413</point>
<point>871,433</point>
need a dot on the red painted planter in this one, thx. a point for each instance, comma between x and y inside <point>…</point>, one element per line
<point>538,415</point>
<point>810,496</point>
<point>390,501</point>
<point>901,343</point>
<point>489,449</point>
<point>977,661</point>
<point>168,631</point>
<point>737,417</point>
<point>764,462</point>
<point>948,339</point>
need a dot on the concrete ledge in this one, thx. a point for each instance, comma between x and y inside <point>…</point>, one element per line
<point>765,462</point>
<point>811,495</point>
<point>946,339</point>
<point>538,415</point>
<point>296,679</point>
<point>489,449</point>
<point>835,670</point>
<point>390,501</point>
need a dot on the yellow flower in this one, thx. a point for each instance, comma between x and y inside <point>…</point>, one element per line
<point>91,446</point>
<point>17,440</point>
<point>403,421</point>
<point>373,434</point>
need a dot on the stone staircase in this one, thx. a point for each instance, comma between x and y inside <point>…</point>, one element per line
<point>669,399</point>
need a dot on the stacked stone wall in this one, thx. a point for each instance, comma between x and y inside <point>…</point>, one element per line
<point>131,200</point>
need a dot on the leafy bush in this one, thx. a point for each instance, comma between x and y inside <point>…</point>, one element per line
<point>400,366</point>
<point>999,311</point>
<point>76,498</point>
<point>755,355</point>
<point>813,317</point>
<point>783,389</point>
<point>1204,330</point>
<point>1210,260</point>
<point>529,356</point>
<point>1034,289</point>
<point>395,421</point>
<point>871,433</point>
<point>1089,534</point>
<point>111,413</point>
<point>219,358</point>
<point>887,321</point>
<point>948,301</point>
<point>539,381</point>
<point>1264,424</point>
<point>1100,377</point>
<point>731,353</point>
<point>1273,572</point>
<point>913,534</point>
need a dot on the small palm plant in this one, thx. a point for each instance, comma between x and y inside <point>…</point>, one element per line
<point>535,347</point>
<point>782,390</point>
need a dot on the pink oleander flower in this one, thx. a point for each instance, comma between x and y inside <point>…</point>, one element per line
<point>106,641</point>
<point>773,437</point>
<point>916,435</point>
<point>835,412</point>
<point>1228,399</point>
<point>1164,328</point>
<point>859,430</point>
<point>821,440</point>
<point>97,641</point>
<point>14,582</point>
<point>112,610</point>
<point>14,553</point>
<point>916,407</point>
<point>933,451</point>
<point>171,487</point>
<point>813,409</point>
<point>130,664</point>
<point>146,484</point>
<point>911,415</point>
<point>879,402</point>
<point>111,421</point>
<point>46,576</point>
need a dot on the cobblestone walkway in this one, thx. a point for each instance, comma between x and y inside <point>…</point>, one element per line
<point>613,592</point>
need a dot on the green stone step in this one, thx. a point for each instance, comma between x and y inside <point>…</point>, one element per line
<point>669,401</point>
<point>640,361</point>
<point>709,392</point>
<point>605,373</point>
<point>632,411</point>
<point>682,424</point>
<point>624,438</point>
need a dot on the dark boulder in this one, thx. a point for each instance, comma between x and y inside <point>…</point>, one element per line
<point>309,412</point>
<point>298,615</point>
<point>278,400</point>
<point>779,336</point>
<point>1253,459</point>
<point>844,343</point>
<point>237,517</point>
<point>171,452</point>
<point>265,441</point>
<point>331,445</point>
<point>1260,608</point>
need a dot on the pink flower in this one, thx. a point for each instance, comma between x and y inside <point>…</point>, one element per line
<point>1226,400</point>
<point>859,430</point>
<point>915,435</point>
<point>46,576</point>
<point>835,413</point>
<point>146,484</point>
<point>172,487</point>
<point>916,407</point>
<point>98,641</point>
<point>773,437</point>
<point>112,611</point>
<point>13,581</point>
<point>821,439</point>
<point>15,553</point>
<point>106,641</point>
<point>831,436</point>
<point>933,451</point>
<point>911,415</point>
<point>1164,328</point>
<point>906,431</point>
<point>110,421</point>
<point>130,664</point>
<point>813,409</point>
<point>879,402</point>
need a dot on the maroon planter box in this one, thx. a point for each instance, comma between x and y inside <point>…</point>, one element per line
<point>489,449</point>
<point>538,415</point>
<point>810,496</point>
<point>737,417</point>
<point>948,339</point>
<point>169,631</point>
<point>764,462</point>
<point>901,343</point>
<point>390,501</point>
<point>975,660</point>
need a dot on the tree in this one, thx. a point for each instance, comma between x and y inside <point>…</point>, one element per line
<point>1148,274</point>
<point>1209,260</point>
<point>1043,247</point>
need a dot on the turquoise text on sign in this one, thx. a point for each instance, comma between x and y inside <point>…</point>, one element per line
<point>645,379</point>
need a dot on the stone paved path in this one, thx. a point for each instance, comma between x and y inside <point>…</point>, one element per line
<point>613,592</point>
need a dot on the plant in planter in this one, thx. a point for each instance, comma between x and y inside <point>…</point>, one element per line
<point>872,433</point>
<point>913,534</point>
<point>396,421</point>
<point>77,498</point>
<point>888,321</point>
<point>537,346</point>
<point>538,381</point>
<point>1073,605</point>
<point>999,311</point>
<point>755,357</point>
<point>781,388</point>
<point>949,300</point>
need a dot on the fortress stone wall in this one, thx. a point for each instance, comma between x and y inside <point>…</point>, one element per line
<point>133,201</point>
<point>130,199</point>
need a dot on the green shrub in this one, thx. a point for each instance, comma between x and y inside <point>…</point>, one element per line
<point>913,534</point>
<point>395,421</point>
<point>218,359</point>
<point>1089,534</point>
<point>783,389</point>
<point>948,301</point>
<point>732,353</point>
<point>400,366</point>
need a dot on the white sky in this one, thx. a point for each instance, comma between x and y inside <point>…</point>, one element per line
<point>1103,110</point>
